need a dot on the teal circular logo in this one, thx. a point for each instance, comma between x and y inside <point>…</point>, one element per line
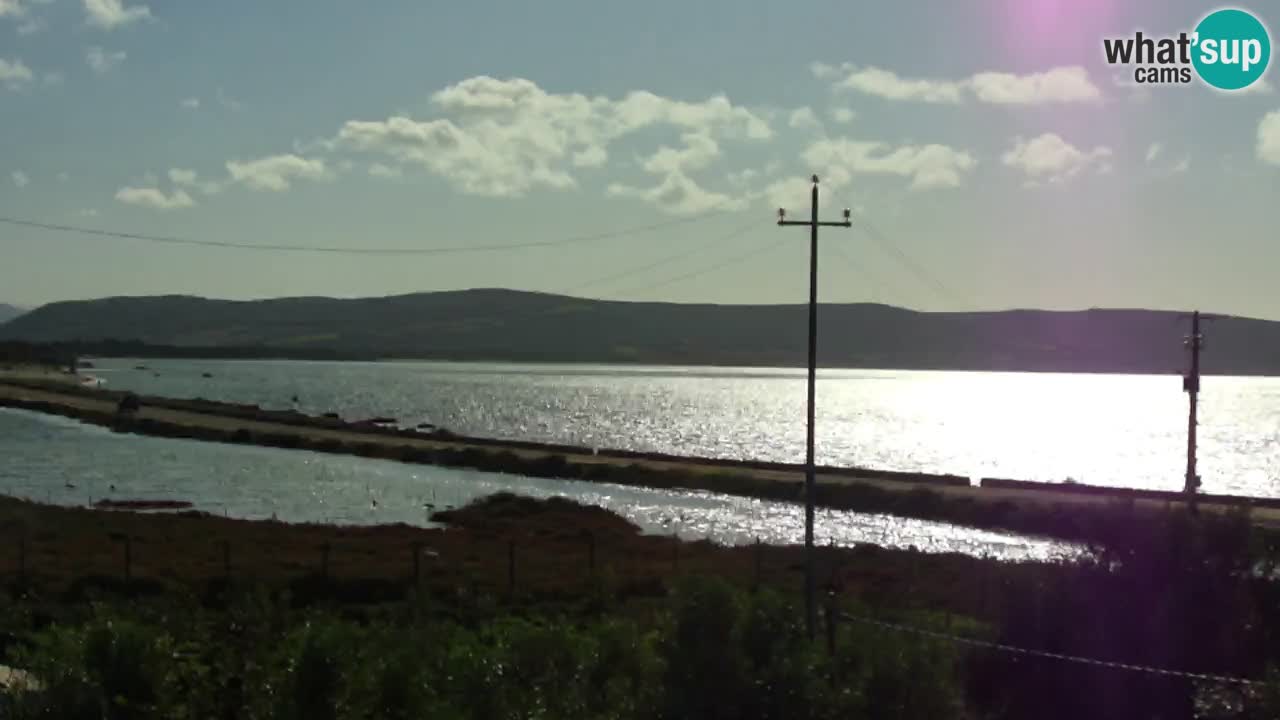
<point>1231,49</point>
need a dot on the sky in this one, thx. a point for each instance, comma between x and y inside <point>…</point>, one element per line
<point>991,157</point>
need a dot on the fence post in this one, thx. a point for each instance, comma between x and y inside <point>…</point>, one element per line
<point>22,561</point>
<point>511,567</point>
<point>915,576</point>
<point>984,586</point>
<point>417,559</point>
<point>759,560</point>
<point>591,553</point>
<point>831,622</point>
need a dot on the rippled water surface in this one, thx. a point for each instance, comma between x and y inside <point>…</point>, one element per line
<point>1103,429</point>
<point>54,459</point>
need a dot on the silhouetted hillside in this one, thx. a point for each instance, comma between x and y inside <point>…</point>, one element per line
<point>521,326</point>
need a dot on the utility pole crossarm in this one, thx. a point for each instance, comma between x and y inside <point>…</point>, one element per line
<point>810,479</point>
<point>828,223</point>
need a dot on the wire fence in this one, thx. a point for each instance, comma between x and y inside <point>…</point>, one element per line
<point>388,568</point>
<point>1028,652</point>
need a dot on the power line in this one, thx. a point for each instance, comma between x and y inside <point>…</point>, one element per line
<point>1048,655</point>
<point>898,254</point>
<point>915,268</point>
<point>457,249</point>
<point>696,273</point>
<point>541,311</point>
<point>714,240</point>
<point>862,274</point>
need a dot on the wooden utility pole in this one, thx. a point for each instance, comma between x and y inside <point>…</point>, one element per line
<point>810,590</point>
<point>1191,385</point>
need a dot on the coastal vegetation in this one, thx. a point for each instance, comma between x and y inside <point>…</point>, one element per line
<point>526,608</point>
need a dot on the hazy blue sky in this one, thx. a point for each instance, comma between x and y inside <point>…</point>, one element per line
<point>989,141</point>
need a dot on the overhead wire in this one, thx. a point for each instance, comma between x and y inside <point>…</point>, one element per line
<point>741,257</point>
<point>895,251</point>
<point>455,249</point>
<point>853,267</point>
<point>697,248</point>
<point>629,272</point>
<point>915,268</point>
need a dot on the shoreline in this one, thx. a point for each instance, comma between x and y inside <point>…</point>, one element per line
<point>1064,511</point>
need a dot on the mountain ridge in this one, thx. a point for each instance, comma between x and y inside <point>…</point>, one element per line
<point>9,312</point>
<point>495,324</point>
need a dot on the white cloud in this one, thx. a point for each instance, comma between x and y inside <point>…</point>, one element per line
<point>20,178</point>
<point>676,192</point>
<point>110,14</point>
<point>679,195</point>
<point>928,166</point>
<point>14,74</point>
<point>276,173</point>
<point>888,85</point>
<point>190,103</point>
<point>63,177</point>
<point>793,192</point>
<point>384,171</point>
<point>505,138</point>
<point>844,116</point>
<point>803,119</point>
<point>16,10</point>
<point>740,178</point>
<point>1269,138</point>
<point>1058,85</point>
<point>1049,158</point>
<point>822,71</point>
<point>1183,166</point>
<point>155,199</point>
<point>1153,152</point>
<point>698,152</point>
<point>178,176</point>
<point>101,61</point>
<point>594,156</point>
<point>184,178</point>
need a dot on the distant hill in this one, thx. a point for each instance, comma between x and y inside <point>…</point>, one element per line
<point>9,312</point>
<point>508,325</point>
